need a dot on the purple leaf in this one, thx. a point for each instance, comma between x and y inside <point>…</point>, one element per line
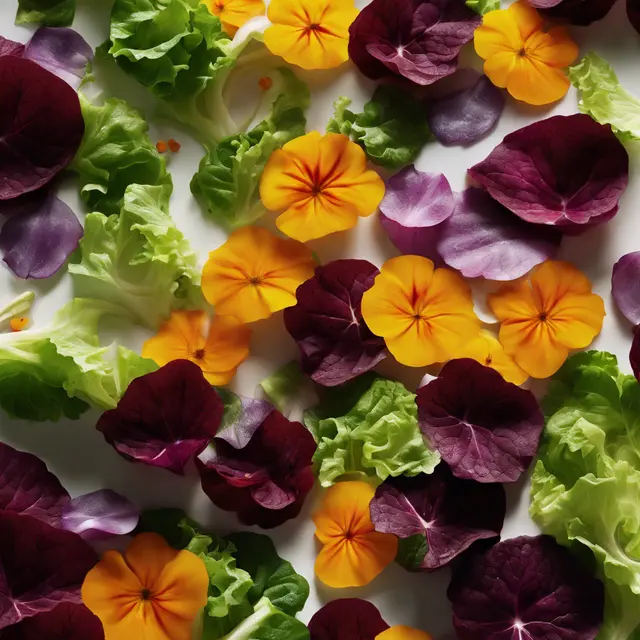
<point>468,114</point>
<point>485,428</point>
<point>37,241</point>
<point>417,241</point>
<point>525,588</point>
<point>41,567</point>
<point>578,12</point>
<point>11,48</point>
<point>634,355</point>
<point>347,619</point>
<point>100,514</point>
<point>242,416</point>
<point>27,487</point>
<point>335,343</point>
<point>165,418</point>
<point>567,171</point>
<point>633,11</point>
<point>451,513</point>
<point>625,286</point>
<point>62,51</point>
<point>484,239</point>
<point>416,39</point>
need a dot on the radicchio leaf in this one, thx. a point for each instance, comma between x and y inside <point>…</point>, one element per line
<point>525,587</point>
<point>486,429</point>
<point>41,125</point>
<point>241,417</point>
<point>416,39</point>
<point>567,171</point>
<point>41,567</point>
<point>335,343</point>
<point>625,286</point>
<point>11,48</point>
<point>347,619</point>
<point>451,514</point>
<point>165,418</point>
<point>578,12</point>
<point>633,11</point>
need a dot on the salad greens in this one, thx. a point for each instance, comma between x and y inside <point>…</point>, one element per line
<point>19,306</point>
<point>52,13</point>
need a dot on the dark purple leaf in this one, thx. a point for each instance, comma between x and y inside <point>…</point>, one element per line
<point>41,567</point>
<point>625,286</point>
<point>335,343</point>
<point>484,239</point>
<point>100,514</point>
<point>37,242</point>
<point>41,126</point>
<point>27,487</point>
<point>568,171</point>
<point>165,418</point>
<point>416,39</point>
<point>241,417</point>
<point>634,355</point>
<point>62,51</point>
<point>525,588</point>
<point>468,114</point>
<point>451,513</point>
<point>579,12</point>
<point>633,11</point>
<point>417,241</point>
<point>11,48</point>
<point>347,619</point>
<point>486,429</point>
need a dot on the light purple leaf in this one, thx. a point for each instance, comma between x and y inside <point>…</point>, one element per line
<point>37,241</point>
<point>625,286</point>
<point>241,418</point>
<point>11,48</point>
<point>484,239</point>
<point>100,514</point>
<point>417,241</point>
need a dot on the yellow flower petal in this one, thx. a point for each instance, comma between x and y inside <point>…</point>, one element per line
<point>234,13</point>
<point>400,632</point>
<point>498,34</point>
<point>554,279</point>
<point>554,47</point>
<point>526,17</point>
<point>577,320</point>
<point>515,300</point>
<point>498,68</point>
<point>536,83</point>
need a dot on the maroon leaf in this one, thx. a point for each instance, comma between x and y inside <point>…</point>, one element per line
<point>11,48</point>
<point>347,619</point>
<point>633,11</point>
<point>634,355</point>
<point>579,12</point>
<point>66,622</point>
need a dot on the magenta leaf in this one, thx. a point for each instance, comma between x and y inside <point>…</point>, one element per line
<point>415,39</point>
<point>485,428</point>
<point>11,48</point>
<point>450,513</point>
<point>41,125</point>
<point>335,343</point>
<point>578,12</point>
<point>66,622</point>
<point>525,588</point>
<point>40,567</point>
<point>347,619</point>
<point>568,171</point>
<point>165,418</point>
<point>625,286</point>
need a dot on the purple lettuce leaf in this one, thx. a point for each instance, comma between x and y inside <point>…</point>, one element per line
<point>568,171</point>
<point>347,619</point>
<point>625,286</point>
<point>525,588</point>
<point>485,428</point>
<point>11,48</point>
<point>633,11</point>
<point>241,418</point>
<point>634,355</point>
<point>449,512</point>
<point>578,12</point>
<point>484,239</point>
<point>39,236</point>
<point>467,115</point>
<point>417,241</point>
<point>27,487</point>
<point>100,514</point>
<point>334,341</point>
<point>42,567</point>
<point>165,418</point>
<point>419,40</point>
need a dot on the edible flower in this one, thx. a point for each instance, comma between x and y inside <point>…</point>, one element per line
<point>545,315</point>
<point>523,58</point>
<point>354,553</point>
<point>487,350</point>
<point>322,183</point>
<point>400,632</point>
<point>18,324</point>
<point>255,273</point>
<point>424,314</point>
<point>234,13</point>
<point>313,34</point>
<point>152,591</point>
<point>217,345</point>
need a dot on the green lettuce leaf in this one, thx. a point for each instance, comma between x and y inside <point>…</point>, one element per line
<point>483,6</point>
<point>18,307</point>
<point>378,435</point>
<point>138,260</point>
<point>604,99</point>
<point>50,13</point>
<point>392,129</point>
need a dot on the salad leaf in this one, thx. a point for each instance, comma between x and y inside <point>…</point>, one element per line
<point>286,387</point>
<point>241,417</point>
<point>634,356</point>
<point>633,12</point>
<point>483,6</point>
<point>19,306</point>
<point>115,152</point>
<point>11,48</point>
<point>604,98</point>
<point>579,12</point>
<point>173,525</point>
<point>347,619</point>
<point>139,259</point>
<point>625,286</point>
<point>53,13</point>
<point>392,129</point>
<point>377,435</point>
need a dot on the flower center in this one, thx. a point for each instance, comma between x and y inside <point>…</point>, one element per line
<point>198,354</point>
<point>522,53</point>
<point>543,316</point>
<point>255,281</point>
<point>488,360</point>
<point>219,5</point>
<point>145,595</point>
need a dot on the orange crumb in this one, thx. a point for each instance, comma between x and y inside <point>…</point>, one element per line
<point>18,324</point>
<point>161,146</point>
<point>265,83</point>
<point>174,145</point>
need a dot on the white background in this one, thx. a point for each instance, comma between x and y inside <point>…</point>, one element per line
<point>77,453</point>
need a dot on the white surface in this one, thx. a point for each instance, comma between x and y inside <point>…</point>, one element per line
<point>77,453</point>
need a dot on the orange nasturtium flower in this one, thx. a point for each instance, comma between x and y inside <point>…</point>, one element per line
<point>424,314</point>
<point>547,314</point>
<point>153,592</point>
<point>322,183</point>
<point>217,345</point>
<point>255,273</point>
<point>523,58</point>
<point>313,34</point>
<point>234,13</point>
<point>354,553</point>
<point>400,632</point>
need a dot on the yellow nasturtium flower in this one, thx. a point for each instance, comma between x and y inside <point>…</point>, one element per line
<point>400,632</point>
<point>234,13</point>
